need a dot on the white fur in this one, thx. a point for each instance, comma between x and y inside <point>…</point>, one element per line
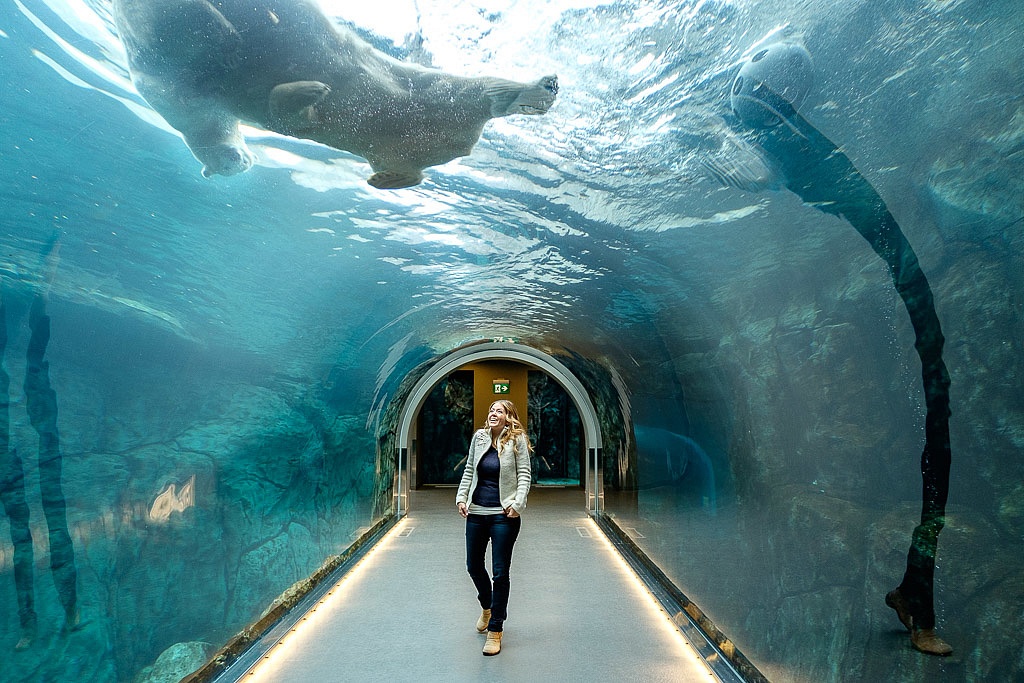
<point>281,65</point>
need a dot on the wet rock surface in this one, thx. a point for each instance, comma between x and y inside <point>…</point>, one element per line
<point>190,525</point>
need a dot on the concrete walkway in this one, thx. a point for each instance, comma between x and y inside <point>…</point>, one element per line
<point>408,611</point>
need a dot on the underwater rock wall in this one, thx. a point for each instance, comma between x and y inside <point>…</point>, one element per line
<point>196,495</point>
<point>815,387</point>
<point>814,391</point>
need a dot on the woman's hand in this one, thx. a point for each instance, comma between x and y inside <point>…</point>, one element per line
<point>510,512</point>
<point>462,509</point>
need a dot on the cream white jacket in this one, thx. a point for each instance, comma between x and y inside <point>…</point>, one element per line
<point>514,477</point>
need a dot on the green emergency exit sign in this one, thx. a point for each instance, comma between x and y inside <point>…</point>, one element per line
<point>500,386</point>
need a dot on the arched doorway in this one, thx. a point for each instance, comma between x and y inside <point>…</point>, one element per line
<point>591,475</point>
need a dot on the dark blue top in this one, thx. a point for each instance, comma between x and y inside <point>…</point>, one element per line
<point>486,493</point>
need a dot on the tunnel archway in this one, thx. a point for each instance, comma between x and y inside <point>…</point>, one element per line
<point>592,478</point>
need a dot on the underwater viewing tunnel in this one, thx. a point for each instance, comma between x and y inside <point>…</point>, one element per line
<point>750,272</point>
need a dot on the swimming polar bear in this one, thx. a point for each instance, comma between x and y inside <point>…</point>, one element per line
<point>206,65</point>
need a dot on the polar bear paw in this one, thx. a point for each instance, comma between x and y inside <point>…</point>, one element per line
<point>509,97</point>
<point>226,160</point>
<point>395,180</point>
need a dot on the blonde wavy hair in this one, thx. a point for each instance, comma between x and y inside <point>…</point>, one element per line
<point>514,428</point>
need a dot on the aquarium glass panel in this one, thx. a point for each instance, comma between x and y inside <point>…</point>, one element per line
<point>779,243</point>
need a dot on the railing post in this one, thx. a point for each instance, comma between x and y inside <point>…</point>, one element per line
<point>401,483</point>
<point>595,482</point>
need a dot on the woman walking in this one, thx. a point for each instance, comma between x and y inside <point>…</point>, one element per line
<point>491,497</point>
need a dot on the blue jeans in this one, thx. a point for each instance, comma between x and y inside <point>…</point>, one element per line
<point>501,531</point>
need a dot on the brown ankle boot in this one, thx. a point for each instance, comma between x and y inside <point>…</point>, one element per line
<point>481,623</point>
<point>492,645</point>
<point>928,642</point>
<point>896,600</point>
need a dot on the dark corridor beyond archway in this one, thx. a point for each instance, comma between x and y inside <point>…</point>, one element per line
<point>446,423</point>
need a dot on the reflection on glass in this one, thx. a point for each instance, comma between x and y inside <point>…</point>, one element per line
<point>554,431</point>
<point>41,404</point>
<point>677,461</point>
<point>170,500</point>
<point>816,170</point>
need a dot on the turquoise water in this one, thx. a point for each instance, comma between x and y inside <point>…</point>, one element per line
<point>223,352</point>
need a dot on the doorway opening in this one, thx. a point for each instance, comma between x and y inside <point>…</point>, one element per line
<point>450,415</point>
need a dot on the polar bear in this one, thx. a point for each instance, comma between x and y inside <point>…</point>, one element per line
<point>206,65</point>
